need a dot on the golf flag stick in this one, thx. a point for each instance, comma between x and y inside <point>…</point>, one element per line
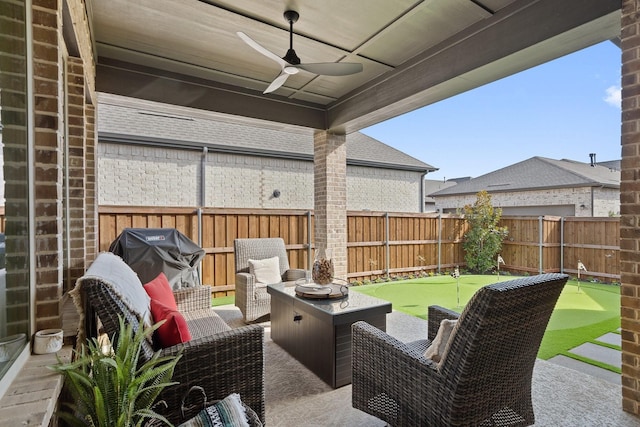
<point>500,261</point>
<point>456,275</point>
<point>580,267</point>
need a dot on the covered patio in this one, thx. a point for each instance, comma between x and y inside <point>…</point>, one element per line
<point>561,396</point>
<point>414,53</point>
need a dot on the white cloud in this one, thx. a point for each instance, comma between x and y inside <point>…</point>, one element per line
<point>614,96</point>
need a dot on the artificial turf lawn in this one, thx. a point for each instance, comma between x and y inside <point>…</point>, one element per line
<point>215,302</point>
<point>579,316</point>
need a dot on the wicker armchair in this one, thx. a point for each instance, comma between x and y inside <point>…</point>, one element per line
<point>484,376</point>
<point>251,297</point>
<point>219,359</point>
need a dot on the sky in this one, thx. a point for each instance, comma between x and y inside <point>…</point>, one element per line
<point>564,109</point>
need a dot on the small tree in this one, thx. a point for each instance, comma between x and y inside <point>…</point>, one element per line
<point>483,241</point>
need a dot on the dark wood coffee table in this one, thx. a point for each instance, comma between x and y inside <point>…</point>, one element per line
<point>317,332</point>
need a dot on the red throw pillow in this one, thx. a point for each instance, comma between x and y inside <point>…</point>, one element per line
<point>160,290</point>
<point>174,330</point>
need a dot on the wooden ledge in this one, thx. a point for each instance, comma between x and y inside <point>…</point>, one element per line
<point>32,397</point>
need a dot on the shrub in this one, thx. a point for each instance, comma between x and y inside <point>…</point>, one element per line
<point>483,241</point>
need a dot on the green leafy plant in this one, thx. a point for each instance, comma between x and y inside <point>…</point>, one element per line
<point>483,241</point>
<point>111,389</point>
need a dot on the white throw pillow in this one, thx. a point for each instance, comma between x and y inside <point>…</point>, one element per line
<point>266,270</point>
<point>437,348</point>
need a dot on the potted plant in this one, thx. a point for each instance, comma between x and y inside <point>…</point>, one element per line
<point>110,389</point>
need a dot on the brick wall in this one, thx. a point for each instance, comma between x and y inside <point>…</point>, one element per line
<point>630,206</point>
<point>604,200</point>
<point>383,190</point>
<point>147,176</point>
<point>250,182</point>
<point>168,177</point>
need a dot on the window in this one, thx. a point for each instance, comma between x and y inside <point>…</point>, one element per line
<point>15,313</point>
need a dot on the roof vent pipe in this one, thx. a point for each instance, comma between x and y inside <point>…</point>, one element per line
<point>593,159</point>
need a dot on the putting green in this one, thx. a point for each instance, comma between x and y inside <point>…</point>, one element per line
<point>580,315</point>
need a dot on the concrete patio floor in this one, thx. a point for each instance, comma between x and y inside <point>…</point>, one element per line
<point>562,396</point>
<point>596,352</point>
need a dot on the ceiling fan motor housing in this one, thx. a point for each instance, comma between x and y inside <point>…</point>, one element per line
<point>291,57</point>
<point>291,16</point>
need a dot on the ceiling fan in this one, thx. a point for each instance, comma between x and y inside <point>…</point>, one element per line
<point>290,63</point>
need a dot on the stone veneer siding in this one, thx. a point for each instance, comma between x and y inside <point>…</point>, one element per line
<point>604,200</point>
<point>630,206</point>
<point>155,176</point>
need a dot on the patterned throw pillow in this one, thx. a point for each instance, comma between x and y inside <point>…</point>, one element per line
<point>229,412</point>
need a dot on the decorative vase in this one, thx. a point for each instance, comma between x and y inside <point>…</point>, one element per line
<point>322,271</point>
<point>47,341</point>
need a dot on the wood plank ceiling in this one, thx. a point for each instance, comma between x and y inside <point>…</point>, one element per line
<point>414,52</point>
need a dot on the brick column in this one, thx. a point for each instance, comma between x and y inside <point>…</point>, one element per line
<point>330,197</point>
<point>630,207</point>
<point>48,163</point>
<point>91,195</point>
<point>76,140</point>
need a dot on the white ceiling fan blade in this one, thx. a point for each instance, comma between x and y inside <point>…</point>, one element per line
<point>248,40</point>
<point>277,82</point>
<point>332,68</point>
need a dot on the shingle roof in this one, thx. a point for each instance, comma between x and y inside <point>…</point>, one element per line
<point>433,185</point>
<point>538,173</point>
<point>149,123</point>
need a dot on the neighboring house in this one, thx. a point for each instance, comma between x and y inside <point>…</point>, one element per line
<point>542,186</point>
<point>433,185</point>
<point>152,154</point>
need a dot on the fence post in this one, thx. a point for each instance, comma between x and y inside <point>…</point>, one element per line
<point>203,177</point>
<point>309,255</point>
<point>203,201</point>
<point>199,225</point>
<point>439,240</point>
<point>561,244</point>
<point>540,234</point>
<point>386,242</point>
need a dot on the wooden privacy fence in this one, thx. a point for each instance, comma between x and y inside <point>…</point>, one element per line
<point>557,244</point>
<point>384,243</point>
<point>378,243</point>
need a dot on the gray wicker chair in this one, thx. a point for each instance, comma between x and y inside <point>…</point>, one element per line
<point>485,375</point>
<point>219,359</point>
<point>251,298</point>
